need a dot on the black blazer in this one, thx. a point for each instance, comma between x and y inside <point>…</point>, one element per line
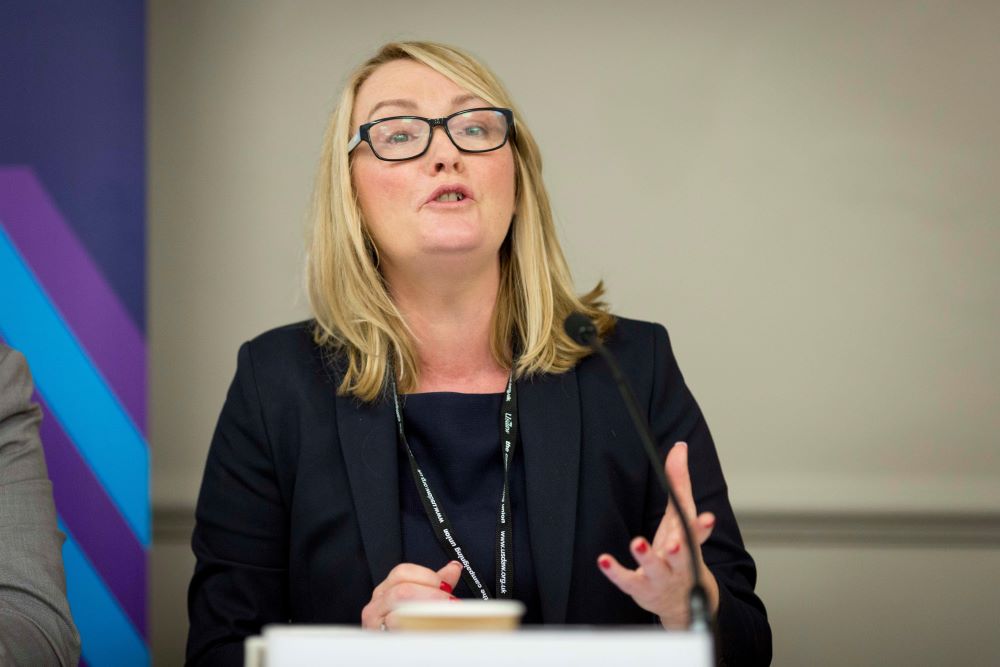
<point>298,517</point>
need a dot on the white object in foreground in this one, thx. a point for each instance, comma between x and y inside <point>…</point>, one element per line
<point>295,646</point>
<point>471,615</point>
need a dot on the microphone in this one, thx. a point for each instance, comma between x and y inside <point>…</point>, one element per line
<point>579,327</point>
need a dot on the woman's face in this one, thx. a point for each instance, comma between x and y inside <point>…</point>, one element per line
<point>410,227</point>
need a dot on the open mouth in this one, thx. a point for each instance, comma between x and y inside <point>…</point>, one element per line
<point>449,193</point>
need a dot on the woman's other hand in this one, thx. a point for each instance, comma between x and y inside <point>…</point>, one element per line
<point>662,581</point>
<point>408,582</point>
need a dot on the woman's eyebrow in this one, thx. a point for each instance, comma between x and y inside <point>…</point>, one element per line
<point>406,104</point>
<point>411,105</point>
<point>462,99</point>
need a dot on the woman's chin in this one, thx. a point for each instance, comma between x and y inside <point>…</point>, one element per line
<point>456,248</point>
<point>458,258</point>
<point>462,243</point>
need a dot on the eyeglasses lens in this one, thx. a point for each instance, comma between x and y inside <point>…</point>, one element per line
<point>478,130</point>
<point>399,138</point>
<point>402,138</point>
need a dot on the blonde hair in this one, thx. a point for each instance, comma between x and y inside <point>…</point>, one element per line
<point>354,313</point>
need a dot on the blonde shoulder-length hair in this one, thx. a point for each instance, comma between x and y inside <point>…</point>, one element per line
<point>355,316</point>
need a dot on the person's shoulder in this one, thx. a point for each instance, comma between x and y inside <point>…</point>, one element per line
<point>296,337</point>
<point>10,359</point>
<point>286,350</point>
<point>642,348</point>
<point>631,334</point>
<point>15,378</point>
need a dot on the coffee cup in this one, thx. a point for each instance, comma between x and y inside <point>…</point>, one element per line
<point>459,615</point>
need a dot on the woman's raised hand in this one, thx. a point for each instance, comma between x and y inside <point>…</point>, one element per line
<point>408,582</point>
<point>662,581</point>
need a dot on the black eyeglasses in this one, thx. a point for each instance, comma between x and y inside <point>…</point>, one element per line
<point>398,138</point>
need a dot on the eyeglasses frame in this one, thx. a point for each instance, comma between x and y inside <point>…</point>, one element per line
<point>363,135</point>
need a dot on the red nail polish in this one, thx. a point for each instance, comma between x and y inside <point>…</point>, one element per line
<point>674,549</point>
<point>605,562</point>
<point>641,547</point>
<point>445,586</point>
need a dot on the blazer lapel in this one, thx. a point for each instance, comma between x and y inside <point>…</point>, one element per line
<point>549,412</point>
<point>368,440</point>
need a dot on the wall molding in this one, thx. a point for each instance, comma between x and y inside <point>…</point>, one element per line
<point>173,524</point>
<point>871,528</point>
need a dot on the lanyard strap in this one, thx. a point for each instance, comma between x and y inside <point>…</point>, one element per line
<point>505,518</point>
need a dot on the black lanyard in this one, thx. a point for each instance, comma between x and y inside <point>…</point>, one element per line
<point>505,518</point>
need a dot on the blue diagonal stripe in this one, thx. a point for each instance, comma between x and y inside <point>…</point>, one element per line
<point>107,636</point>
<point>75,390</point>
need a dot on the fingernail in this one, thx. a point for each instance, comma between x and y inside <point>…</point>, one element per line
<point>710,522</point>
<point>453,598</point>
<point>445,586</point>
<point>605,562</point>
<point>641,547</point>
<point>674,549</point>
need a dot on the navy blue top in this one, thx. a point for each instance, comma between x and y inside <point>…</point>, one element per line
<point>456,441</point>
<point>293,523</point>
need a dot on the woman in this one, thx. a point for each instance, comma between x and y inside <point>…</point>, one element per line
<point>356,459</point>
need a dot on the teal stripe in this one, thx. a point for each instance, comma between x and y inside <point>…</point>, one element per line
<point>107,636</point>
<point>75,391</point>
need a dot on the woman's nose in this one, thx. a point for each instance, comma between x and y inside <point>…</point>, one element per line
<point>442,153</point>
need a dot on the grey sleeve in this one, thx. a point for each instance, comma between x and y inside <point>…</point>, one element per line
<point>35,623</point>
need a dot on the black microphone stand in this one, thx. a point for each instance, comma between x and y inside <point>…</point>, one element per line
<point>582,330</point>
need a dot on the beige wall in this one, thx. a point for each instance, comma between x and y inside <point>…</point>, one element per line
<point>805,193</point>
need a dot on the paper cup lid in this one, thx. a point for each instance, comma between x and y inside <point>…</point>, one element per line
<point>461,609</point>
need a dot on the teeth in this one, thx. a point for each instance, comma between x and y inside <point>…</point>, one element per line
<point>450,196</point>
